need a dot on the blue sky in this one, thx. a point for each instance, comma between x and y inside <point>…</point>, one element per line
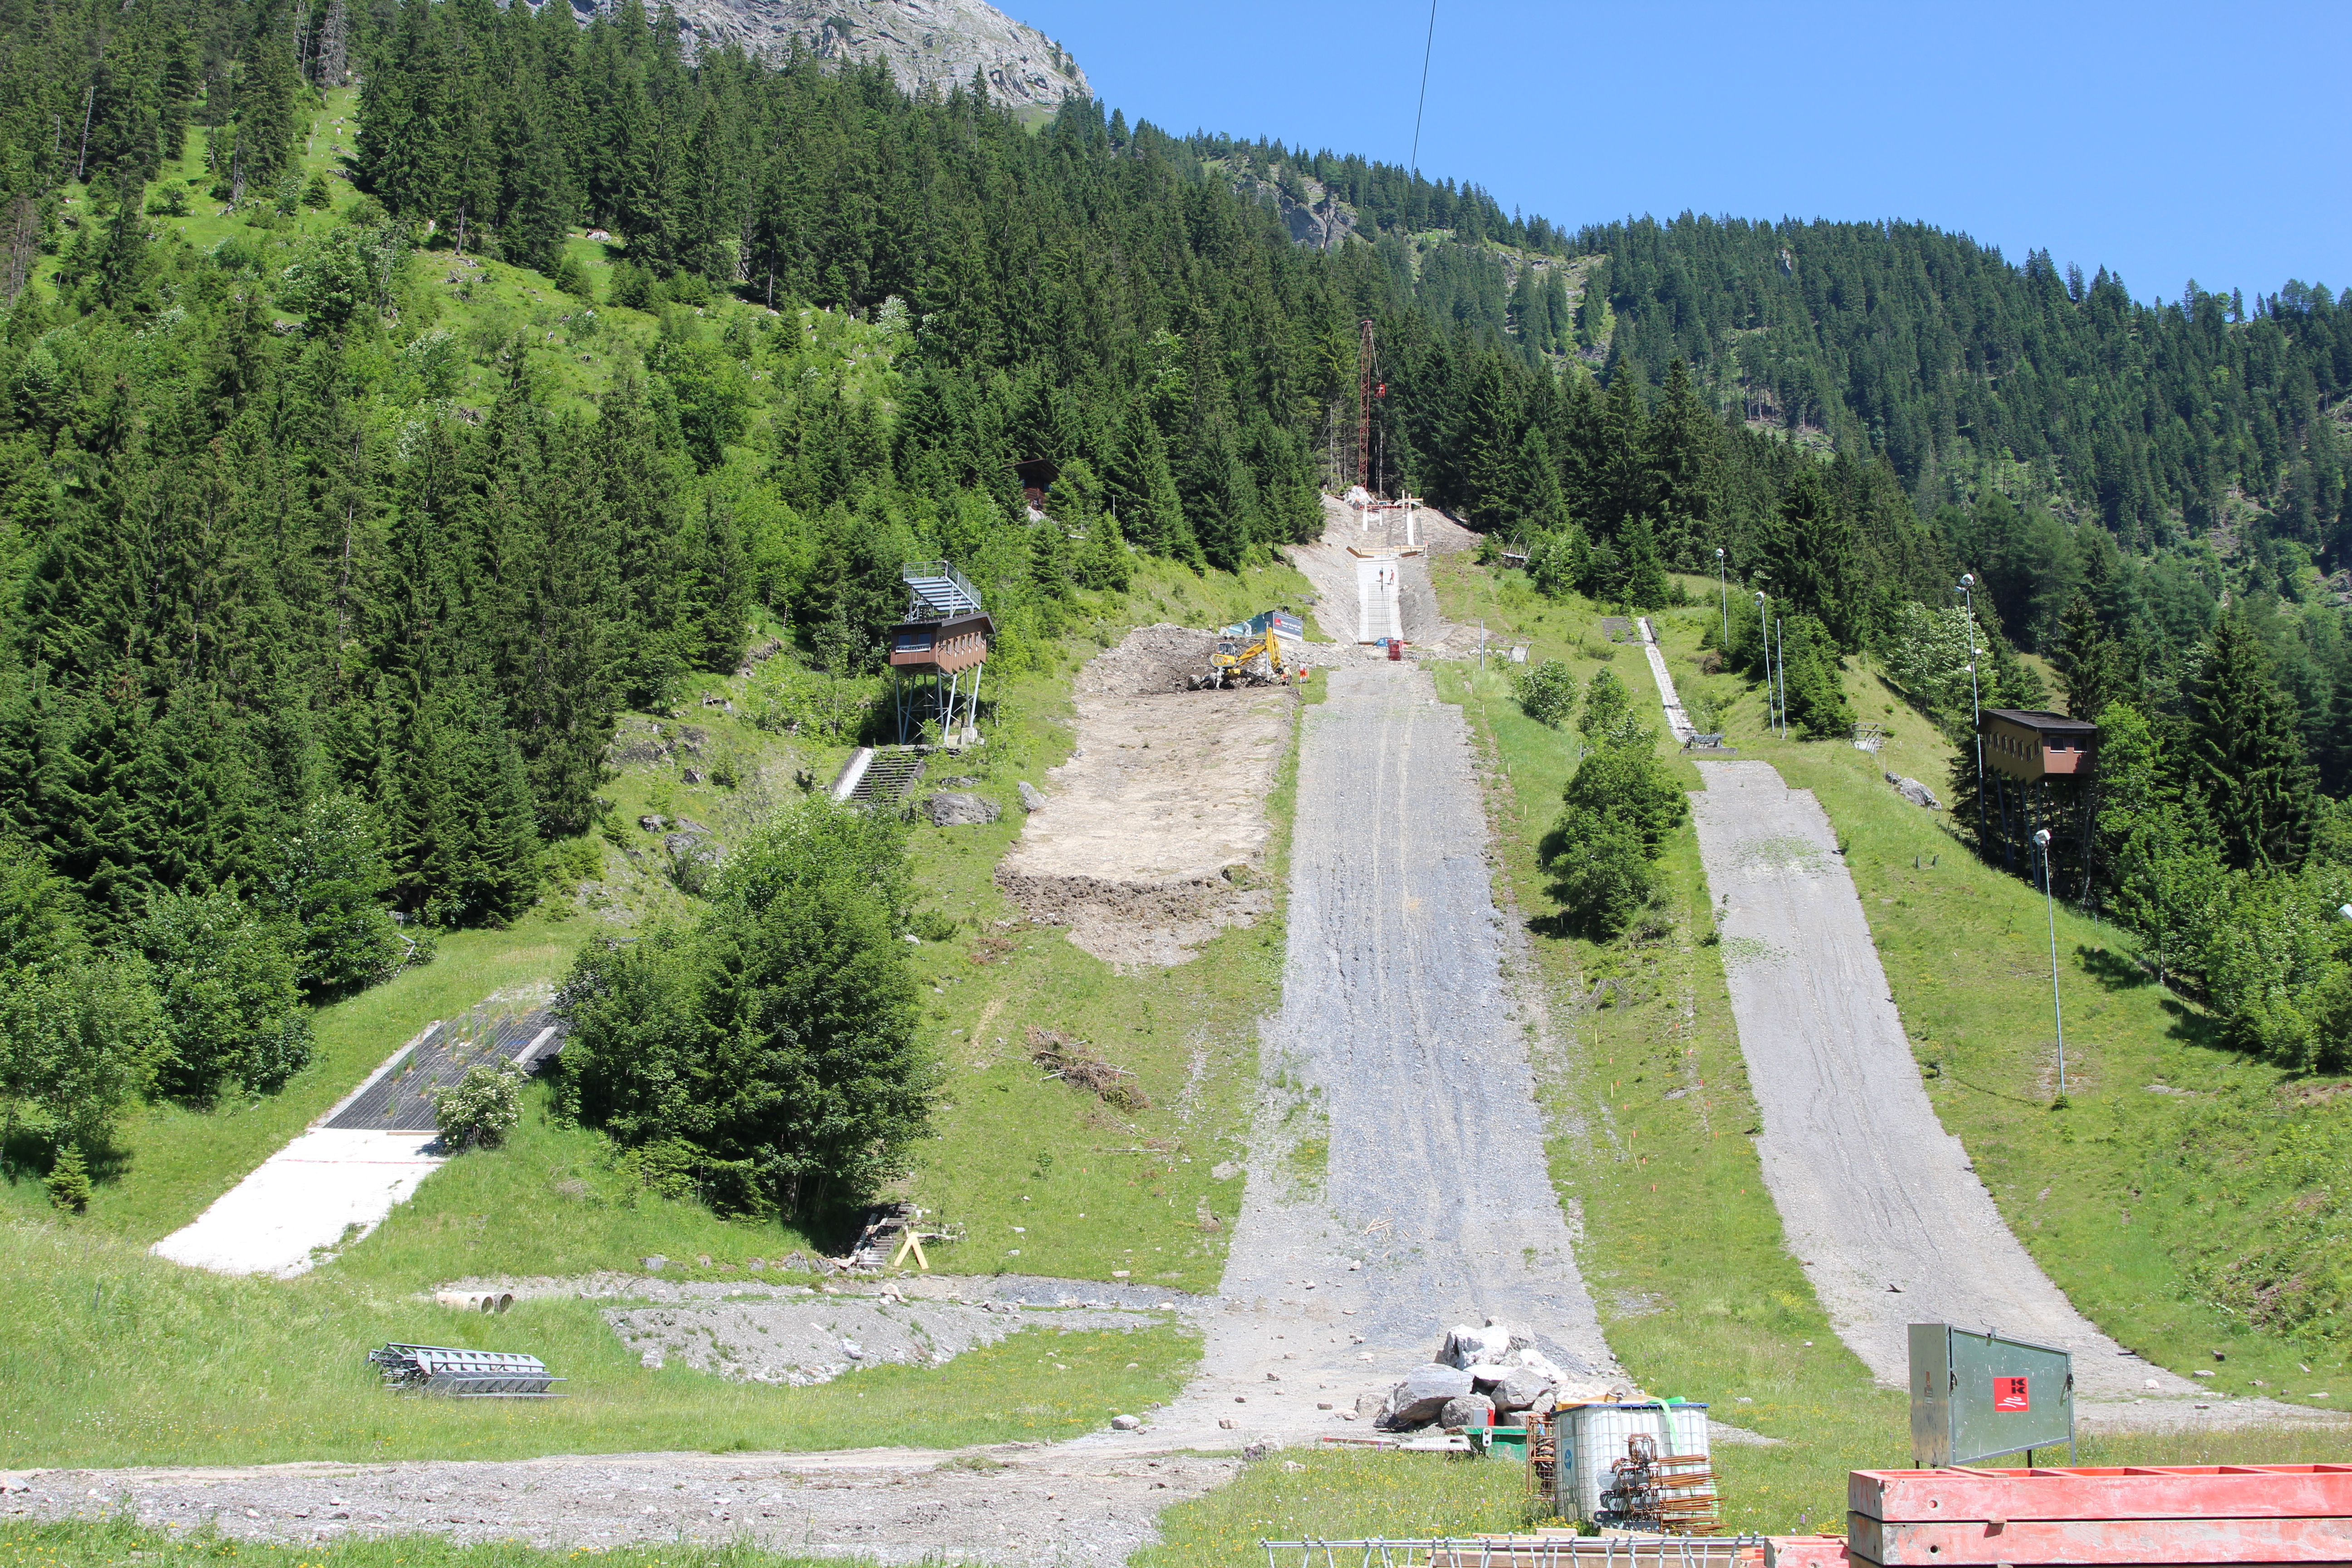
<point>2162,141</point>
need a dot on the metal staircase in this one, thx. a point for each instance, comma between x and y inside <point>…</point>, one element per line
<point>887,778</point>
<point>937,591</point>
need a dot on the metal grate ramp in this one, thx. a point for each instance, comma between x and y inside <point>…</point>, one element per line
<point>887,778</point>
<point>399,1101</point>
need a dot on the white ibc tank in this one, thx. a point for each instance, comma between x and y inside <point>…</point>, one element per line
<point>1592,1438</point>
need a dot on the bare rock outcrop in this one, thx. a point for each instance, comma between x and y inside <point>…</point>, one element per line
<point>927,43</point>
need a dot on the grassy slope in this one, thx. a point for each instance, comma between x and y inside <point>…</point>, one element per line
<point>102,1544</point>
<point>1683,1249</point>
<point>121,1359</point>
<point>141,1362</point>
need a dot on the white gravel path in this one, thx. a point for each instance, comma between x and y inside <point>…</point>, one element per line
<point>1880,1203</point>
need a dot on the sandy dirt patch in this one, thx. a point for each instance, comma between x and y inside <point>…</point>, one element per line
<point>1153,833</point>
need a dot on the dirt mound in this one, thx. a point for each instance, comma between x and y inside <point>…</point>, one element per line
<point>1150,661</point>
<point>1148,835</point>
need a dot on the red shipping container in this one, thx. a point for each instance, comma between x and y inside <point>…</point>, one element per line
<point>2168,1514</point>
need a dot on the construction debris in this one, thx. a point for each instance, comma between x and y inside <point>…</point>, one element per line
<point>474,1374</point>
<point>1494,1369</point>
<point>1073,1063</point>
<point>476,1300</point>
<point>892,1233</point>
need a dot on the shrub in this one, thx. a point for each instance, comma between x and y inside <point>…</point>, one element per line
<point>1547,693</point>
<point>68,1181</point>
<point>776,1038</point>
<point>1619,809</point>
<point>481,1108</point>
<point>632,287</point>
<point>169,200</point>
<point>231,1000</point>
<point>329,884</point>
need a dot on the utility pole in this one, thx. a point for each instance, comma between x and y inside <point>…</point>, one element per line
<point>1764,631</point>
<point>1364,402</point>
<point>2041,842</point>
<point>1781,662</point>
<point>1967,589</point>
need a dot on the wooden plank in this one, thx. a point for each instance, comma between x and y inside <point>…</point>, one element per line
<point>2102,1541</point>
<point>2146,1491</point>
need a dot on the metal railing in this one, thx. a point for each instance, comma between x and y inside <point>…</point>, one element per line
<point>937,588</point>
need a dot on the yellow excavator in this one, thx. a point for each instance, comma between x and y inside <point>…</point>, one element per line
<point>1243,661</point>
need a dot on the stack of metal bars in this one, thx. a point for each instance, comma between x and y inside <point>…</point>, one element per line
<point>475,1374</point>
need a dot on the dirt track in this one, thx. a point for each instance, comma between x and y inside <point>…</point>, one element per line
<point>1433,1205</point>
<point>1880,1203</point>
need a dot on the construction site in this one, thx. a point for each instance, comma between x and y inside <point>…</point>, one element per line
<point>1418,1290</point>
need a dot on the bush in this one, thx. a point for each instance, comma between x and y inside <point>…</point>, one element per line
<point>1621,807</point>
<point>231,999</point>
<point>1547,693</point>
<point>68,1181</point>
<point>776,1038</point>
<point>572,279</point>
<point>1600,873</point>
<point>479,1109</point>
<point>76,1043</point>
<point>632,287</point>
<point>169,200</point>
<point>328,885</point>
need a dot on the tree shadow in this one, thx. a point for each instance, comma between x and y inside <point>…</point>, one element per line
<point>2115,971</point>
<point>2193,1028</point>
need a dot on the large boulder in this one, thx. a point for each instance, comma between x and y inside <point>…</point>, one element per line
<point>1466,1346</point>
<point>1470,1410</point>
<point>1915,792</point>
<point>956,808</point>
<point>1520,1388</point>
<point>1031,797</point>
<point>1417,1400</point>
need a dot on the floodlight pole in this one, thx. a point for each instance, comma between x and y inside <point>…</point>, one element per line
<point>1724,585</point>
<point>2041,842</point>
<point>1967,589</point>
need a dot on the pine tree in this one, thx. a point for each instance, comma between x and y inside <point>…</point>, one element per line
<point>2246,755</point>
<point>2090,666</point>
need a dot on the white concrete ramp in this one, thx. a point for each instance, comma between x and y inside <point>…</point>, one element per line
<point>326,1188</point>
<point>1377,598</point>
<point>1880,1203</point>
<point>1677,720</point>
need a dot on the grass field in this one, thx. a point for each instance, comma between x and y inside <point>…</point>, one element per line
<point>117,1357</point>
<point>1683,1249</point>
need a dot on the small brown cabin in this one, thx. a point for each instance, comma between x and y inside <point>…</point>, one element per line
<point>2028,743</point>
<point>940,648</point>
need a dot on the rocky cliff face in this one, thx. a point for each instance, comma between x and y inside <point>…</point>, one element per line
<point>934,42</point>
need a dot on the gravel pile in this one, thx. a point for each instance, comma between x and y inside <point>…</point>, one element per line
<point>1150,661</point>
<point>807,1341</point>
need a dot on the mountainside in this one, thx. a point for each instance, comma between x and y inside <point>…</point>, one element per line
<point>925,43</point>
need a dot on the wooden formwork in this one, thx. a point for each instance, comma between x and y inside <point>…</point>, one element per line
<point>2155,1514</point>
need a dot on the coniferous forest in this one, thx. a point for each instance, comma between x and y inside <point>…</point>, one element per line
<point>321,610</point>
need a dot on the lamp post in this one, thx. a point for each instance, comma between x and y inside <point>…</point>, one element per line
<point>1724,584</point>
<point>2049,903</point>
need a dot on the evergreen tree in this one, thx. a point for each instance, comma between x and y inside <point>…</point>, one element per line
<point>2246,755</point>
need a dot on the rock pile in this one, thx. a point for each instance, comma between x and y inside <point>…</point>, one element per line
<point>1915,792</point>
<point>1481,1376</point>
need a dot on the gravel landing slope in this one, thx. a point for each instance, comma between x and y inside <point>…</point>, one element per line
<point>1434,1206</point>
<point>1880,1203</point>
